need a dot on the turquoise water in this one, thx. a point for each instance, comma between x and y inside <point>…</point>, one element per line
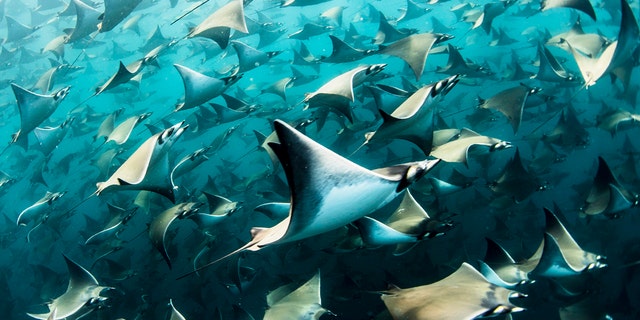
<point>558,175</point>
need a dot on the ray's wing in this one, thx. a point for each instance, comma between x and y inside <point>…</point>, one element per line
<point>465,294</point>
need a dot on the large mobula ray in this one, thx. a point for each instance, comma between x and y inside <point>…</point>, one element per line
<point>327,190</point>
<point>148,167</point>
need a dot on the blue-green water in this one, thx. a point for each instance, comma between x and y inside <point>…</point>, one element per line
<point>560,173</point>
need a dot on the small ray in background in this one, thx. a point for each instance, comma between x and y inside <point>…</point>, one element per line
<point>305,301</point>
<point>343,52</point>
<point>613,120</point>
<point>250,58</point>
<point>580,5</point>
<point>161,223</point>
<point>458,150</point>
<point>218,25</point>
<point>607,196</point>
<point>34,109</point>
<point>115,11</point>
<point>510,102</point>
<point>200,88</point>
<point>338,93</point>
<point>17,31</point>
<point>413,120</point>
<point>175,314</point>
<point>406,226</point>
<point>87,20</point>
<point>414,49</point>
<point>83,295</point>
<point>515,181</point>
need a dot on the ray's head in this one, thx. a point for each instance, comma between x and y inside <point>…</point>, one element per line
<point>61,94</point>
<point>168,136</point>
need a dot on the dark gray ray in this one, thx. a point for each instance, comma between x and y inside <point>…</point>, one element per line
<point>342,52</point>
<point>123,75</point>
<point>120,218</point>
<point>489,13</point>
<point>199,88</point>
<point>607,196</point>
<point>388,97</point>
<point>550,69</point>
<point>310,30</point>
<point>148,167</point>
<point>465,294</point>
<point>515,181</point>
<point>226,114</point>
<point>305,57</point>
<point>17,31</point>
<point>154,40</point>
<point>623,58</point>
<point>87,20</point>
<point>569,132</point>
<point>413,119</point>
<point>249,57</point>
<point>387,33</point>
<point>412,11</point>
<point>81,297</point>
<point>581,5</point>
<point>160,224</point>
<point>218,25</point>
<point>500,38</point>
<point>414,50</point>
<point>279,87</point>
<point>114,12</point>
<point>34,109</point>
<point>457,65</point>
<point>50,137</point>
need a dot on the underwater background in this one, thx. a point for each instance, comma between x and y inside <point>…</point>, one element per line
<point>501,44</point>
